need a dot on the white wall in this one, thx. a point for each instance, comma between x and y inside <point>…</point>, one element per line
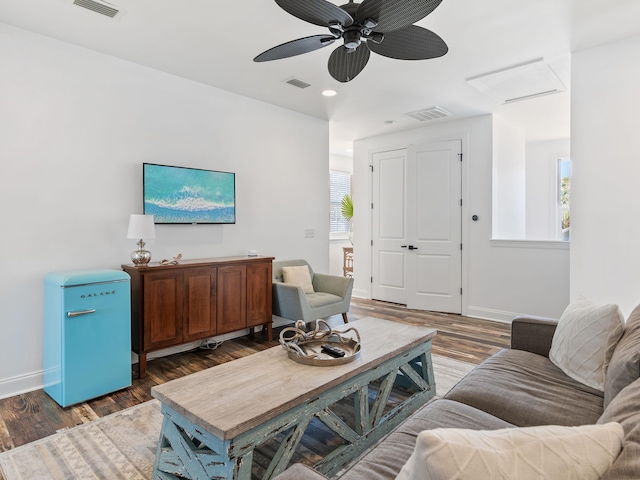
<point>508,180</point>
<point>605,152</point>
<point>542,222</point>
<point>500,279</point>
<point>337,242</point>
<point>75,128</point>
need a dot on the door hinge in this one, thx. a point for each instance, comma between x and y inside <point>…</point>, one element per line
<point>460,155</point>
<point>460,246</point>
<point>371,279</point>
<point>372,243</point>
<point>460,290</point>
<point>371,166</point>
<point>460,202</point>
<point>371,205</point>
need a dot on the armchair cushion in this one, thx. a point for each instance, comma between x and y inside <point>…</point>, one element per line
<point>298,276</point>
<point>321,299</point>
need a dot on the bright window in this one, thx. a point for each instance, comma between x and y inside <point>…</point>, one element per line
<point>564,198</point>
<point>339,185</point>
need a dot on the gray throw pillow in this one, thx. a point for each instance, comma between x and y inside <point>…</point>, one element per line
<point>624,367</point>
<point>625,410</point>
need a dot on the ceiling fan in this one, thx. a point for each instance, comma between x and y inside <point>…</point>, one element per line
<point>382,26</point>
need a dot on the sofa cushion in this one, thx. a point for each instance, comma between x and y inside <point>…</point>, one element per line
<point>624,367</point>
<point>528,453</point>
<point>585,339</point>
<point>298,276</point>
<point>625,409</point>
<point>526,389</point>
<point>385,460</point>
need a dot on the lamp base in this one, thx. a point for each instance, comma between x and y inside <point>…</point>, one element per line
<point>140,257</point>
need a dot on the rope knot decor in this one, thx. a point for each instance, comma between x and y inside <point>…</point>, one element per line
<point>307,346</point>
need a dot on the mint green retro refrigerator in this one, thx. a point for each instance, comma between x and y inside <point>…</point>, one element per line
<point>87,334</point>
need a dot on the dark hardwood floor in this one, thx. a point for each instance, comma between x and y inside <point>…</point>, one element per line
<point>33,415</point>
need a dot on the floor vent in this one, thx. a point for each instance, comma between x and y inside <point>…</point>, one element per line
<point>296,82</point>
<point>102,8</point>
<point>429,114</point>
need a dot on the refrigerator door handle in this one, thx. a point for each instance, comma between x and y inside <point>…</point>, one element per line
<point>80,312</point>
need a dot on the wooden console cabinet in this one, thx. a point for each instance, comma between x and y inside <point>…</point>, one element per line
<point>197,299</point>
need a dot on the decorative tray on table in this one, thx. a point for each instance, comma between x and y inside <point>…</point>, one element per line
<point>323,347</point>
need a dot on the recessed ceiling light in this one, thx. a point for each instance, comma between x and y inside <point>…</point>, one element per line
<point>329,93</point>
<point>390,122</point>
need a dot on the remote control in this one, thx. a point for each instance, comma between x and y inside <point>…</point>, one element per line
<point>333,351</point>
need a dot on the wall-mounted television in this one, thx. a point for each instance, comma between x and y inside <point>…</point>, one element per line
<point>188,195</point>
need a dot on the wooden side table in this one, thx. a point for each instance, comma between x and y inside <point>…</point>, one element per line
<point>347,261</point>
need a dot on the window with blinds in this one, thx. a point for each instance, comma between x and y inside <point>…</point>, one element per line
<point>339,186</point>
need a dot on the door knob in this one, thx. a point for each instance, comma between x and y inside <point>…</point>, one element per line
<point>411,247</point>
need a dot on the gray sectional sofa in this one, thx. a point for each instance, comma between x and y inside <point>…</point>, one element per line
<point>520,387</point>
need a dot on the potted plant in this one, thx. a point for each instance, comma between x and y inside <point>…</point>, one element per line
<point>347,213</point>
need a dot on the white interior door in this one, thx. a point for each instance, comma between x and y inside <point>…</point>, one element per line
<point>434,212</point>
<point>389,230</point>
<point>417,226</point>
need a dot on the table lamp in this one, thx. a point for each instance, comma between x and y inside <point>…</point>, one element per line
<point>141,226</point>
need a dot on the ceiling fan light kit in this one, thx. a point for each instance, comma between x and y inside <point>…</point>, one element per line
<point>381,26</point>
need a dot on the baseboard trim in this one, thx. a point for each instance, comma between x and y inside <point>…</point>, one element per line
<point>361,293</point>
<point>21,384</point>
<point>490,314</point>
<point>10,387</point>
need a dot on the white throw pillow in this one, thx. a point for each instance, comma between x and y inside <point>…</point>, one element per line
<point>585,339</point>
<point>298,276</point>
<point>548,452</point>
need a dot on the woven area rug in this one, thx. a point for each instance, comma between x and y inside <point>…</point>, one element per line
<point>123,445</point>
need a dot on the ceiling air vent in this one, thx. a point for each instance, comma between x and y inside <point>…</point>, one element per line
<point>296,82</point>
<point>103,8</point>
<point>429,114</point>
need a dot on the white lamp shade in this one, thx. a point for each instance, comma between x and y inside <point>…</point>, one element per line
<point>141,226</point>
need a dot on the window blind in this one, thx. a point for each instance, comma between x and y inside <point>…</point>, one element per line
<point>339,186</point>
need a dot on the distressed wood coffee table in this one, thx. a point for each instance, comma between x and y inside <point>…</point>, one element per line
<point>215,418</point>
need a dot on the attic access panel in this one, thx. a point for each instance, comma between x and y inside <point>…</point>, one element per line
<point>520,82</point>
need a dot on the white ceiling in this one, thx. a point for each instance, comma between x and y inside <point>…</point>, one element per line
<point>214,42</point>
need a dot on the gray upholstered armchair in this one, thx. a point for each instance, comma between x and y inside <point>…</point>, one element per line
<point>331,296</point>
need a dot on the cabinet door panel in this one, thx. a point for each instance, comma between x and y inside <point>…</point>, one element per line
<point>232,298</point>
<point>162,309</point>
<point>199,303</point>
<point>258,293</point>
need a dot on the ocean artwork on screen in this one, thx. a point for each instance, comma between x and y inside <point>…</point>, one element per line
<point>188,195</point>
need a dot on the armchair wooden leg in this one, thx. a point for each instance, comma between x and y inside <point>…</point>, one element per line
<point>344,317</point>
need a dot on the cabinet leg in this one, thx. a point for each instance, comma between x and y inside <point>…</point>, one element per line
<point>142,365</point>
<point>269,331</point>
<point>344,317</point>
